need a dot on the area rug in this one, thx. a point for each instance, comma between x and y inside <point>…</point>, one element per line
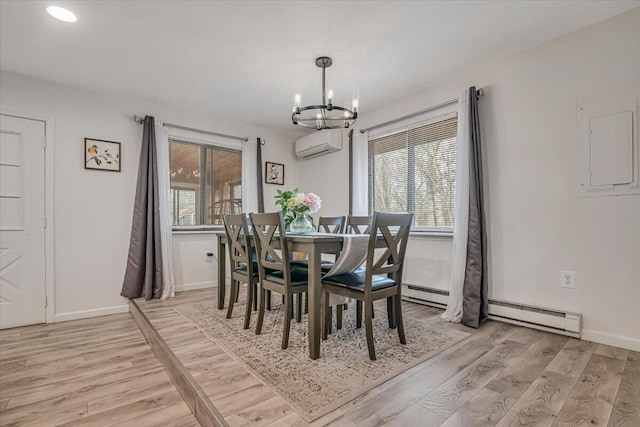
<point>343,371</point>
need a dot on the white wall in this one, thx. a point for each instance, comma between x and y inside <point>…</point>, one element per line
<point>537,224</point>
<point>93,209</point>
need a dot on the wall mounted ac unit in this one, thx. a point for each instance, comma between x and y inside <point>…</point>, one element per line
<point>319,143</point>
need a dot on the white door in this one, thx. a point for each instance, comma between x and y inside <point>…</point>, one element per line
<point>22,222</point>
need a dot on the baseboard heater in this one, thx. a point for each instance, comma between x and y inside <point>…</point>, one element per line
<point>545,319</point>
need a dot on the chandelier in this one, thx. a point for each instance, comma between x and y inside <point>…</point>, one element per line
<point>327,115</point>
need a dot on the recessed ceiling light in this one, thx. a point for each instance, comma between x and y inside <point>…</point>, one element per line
<point>62,14</point>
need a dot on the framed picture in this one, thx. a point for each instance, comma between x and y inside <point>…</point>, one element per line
<point>274,173</point>
<point>102,155</point>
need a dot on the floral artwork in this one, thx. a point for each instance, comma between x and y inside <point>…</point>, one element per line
<point>294,202</point>
<point>101,155</point>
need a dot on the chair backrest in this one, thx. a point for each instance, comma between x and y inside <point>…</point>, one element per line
<point>239,243</point>
<point>331,224</point>
<point>394,229</point>
<point>270,237</point>
<point>358,224</point>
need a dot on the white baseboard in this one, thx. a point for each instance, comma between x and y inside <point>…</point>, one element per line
<point>194,286</point>
<point>611,339</point>
<point>94,312</point>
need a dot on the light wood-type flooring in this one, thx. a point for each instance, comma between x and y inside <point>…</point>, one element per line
<point>94,372</point>
<point>101,372</point>
<point>501,375</point>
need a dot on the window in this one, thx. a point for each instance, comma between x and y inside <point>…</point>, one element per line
<point>206,183</point>
<point>414,171</point>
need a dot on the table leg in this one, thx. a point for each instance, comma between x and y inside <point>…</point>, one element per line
<point>222,266</point>
<point>314,293</point>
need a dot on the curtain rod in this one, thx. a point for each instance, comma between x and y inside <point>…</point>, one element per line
<point>479,92</point>
<point>139,119</point>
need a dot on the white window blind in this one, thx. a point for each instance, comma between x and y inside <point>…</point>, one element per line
<point>413,170</point>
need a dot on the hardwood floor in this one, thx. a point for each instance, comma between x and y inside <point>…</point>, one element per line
<point>95,372</point>
<point>501,375</point>
<point>101,372</point>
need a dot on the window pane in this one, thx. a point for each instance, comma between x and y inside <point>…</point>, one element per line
<point>389,166</point>
<point>435,171</point>
<point>206,183</point>
<point>414,171</point>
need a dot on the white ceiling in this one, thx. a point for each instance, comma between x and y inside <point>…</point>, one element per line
<point>241,60</point>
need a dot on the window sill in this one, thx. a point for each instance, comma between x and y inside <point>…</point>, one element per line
<point>428,234</point>
<point>197,230</point>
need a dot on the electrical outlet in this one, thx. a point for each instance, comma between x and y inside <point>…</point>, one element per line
<point>568,279</point>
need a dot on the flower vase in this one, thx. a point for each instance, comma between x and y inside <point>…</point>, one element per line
<point>300,225</point>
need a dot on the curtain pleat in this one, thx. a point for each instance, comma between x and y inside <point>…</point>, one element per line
<point>351,172</point>
<point>259,177</point>
<point>143,277</point>
<point>475,294</point>
<point>453,313</point>
<point>166,226</point>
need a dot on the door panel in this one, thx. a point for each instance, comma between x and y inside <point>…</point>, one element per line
<point>22,209</point>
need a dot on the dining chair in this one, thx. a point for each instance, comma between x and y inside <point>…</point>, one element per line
<point>326,224</point>
<point>244,268</point>
<point>380,279</point>
<point>274,269</point>
<point>358,224</point>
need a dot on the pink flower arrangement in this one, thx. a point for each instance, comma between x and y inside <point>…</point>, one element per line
<point>313,202</point>
<point>294,203</point>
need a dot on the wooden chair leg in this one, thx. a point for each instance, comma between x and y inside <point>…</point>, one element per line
<point>268,300</point>
<point>390,313</point>
<point>232,298</point>
<point>291,303</point>
<point>358,314</point>
<point>299,307</point>
<point>247,310</point>
<point>263,297</point>
<point>373,312</point>
<point>237,291</point>
<point>368,326</point>
<point>288,310</point>
<point>399,321</point>
<point>326,324</point>
<point>306,303</point>
<point>339,316</point>
<point>254,289</point>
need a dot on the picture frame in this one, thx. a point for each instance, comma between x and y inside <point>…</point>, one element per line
<point>274,173</point>
<point>102,155</point>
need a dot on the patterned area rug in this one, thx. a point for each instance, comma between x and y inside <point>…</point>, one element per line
<point>343,372</point>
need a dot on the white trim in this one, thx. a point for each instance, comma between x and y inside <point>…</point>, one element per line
<point>611,339</point>
<point>195,286</point>
<point>423,234</point>
<point>94,312</point>
<point>49,278</point>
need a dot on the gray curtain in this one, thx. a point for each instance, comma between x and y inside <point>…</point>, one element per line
<point>143,277</point>
<point>351,172</point>
<point>259,177</point>
<point>475,293</point>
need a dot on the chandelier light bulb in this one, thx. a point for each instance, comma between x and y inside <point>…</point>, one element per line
<point>355,101</point>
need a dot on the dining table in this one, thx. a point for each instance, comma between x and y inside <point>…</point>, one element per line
<point>314,245</point>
